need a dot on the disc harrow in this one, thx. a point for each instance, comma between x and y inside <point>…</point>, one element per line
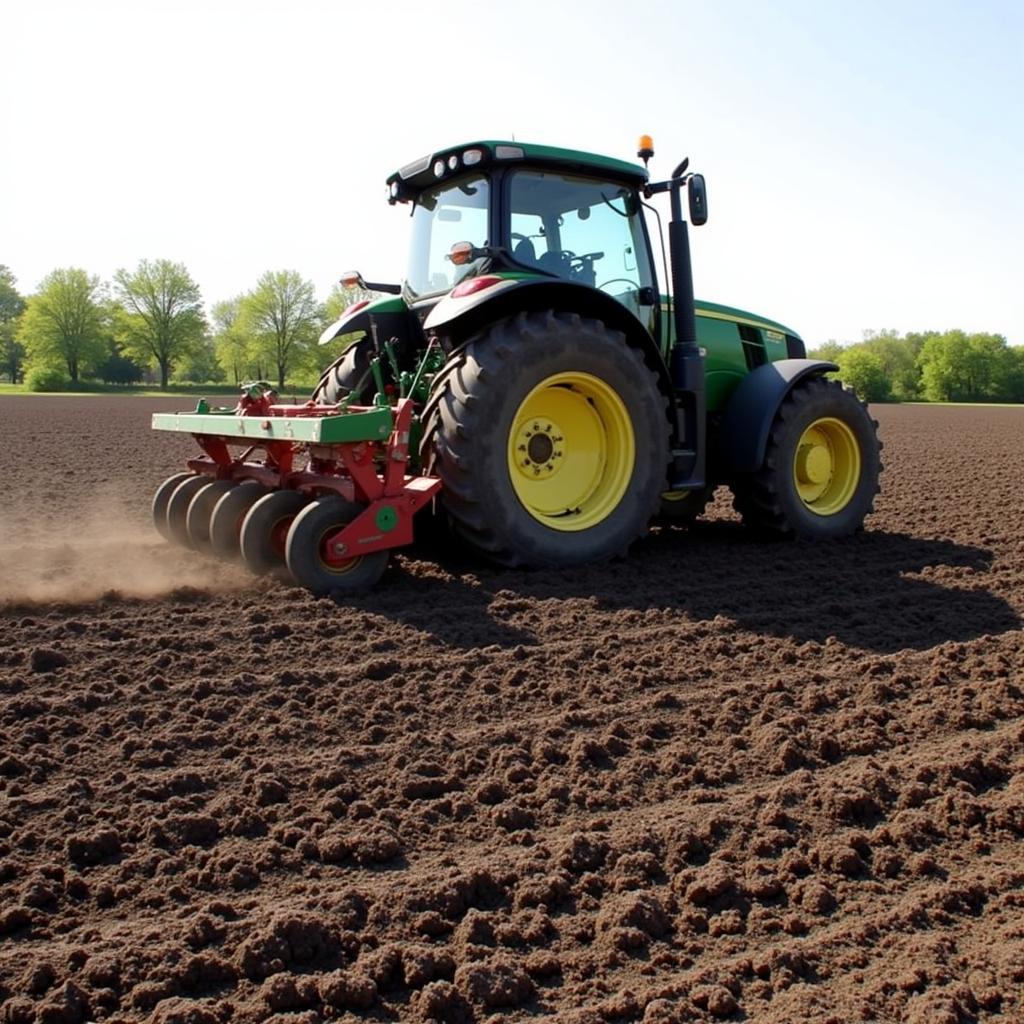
<point>318,493</point>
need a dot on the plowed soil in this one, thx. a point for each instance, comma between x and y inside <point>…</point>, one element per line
<point>722,779</point>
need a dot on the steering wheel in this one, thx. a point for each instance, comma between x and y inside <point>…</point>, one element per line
<point>591,256</point>
<point>517,237</point>
<point>617,280</point>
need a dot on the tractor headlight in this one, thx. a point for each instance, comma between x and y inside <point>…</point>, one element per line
<point>438,168</point>
<point>453,162</point>
<point>472,156</point>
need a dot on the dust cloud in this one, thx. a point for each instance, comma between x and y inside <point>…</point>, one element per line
<point>107,546</point>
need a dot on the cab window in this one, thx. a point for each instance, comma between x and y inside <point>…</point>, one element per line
<point>579,229</point>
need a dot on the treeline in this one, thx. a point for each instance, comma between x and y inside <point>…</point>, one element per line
<point>150,324</point>
<point>930,366</point>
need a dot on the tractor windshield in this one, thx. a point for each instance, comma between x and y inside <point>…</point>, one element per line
<point>450,213</point>
<point>583,230</point>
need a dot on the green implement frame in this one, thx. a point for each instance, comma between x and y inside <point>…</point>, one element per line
<point>368,425</point>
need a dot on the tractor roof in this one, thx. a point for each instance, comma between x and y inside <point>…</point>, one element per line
<point>456,159</point>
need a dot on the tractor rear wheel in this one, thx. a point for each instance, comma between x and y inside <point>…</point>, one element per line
<point>162,497</point>
<point>311,563</point>
<point>265,530</point>
<point>349,371</point>
<point>177,508</point>
<point>550,435</point>
<point>821,466</point>
<point>228,515</point>
<point>200,510</point>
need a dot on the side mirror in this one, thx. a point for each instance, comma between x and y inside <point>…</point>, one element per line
<point>698,195</point>
<point>461,253</point>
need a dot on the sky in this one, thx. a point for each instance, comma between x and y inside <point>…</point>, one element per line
<point>864,162</point>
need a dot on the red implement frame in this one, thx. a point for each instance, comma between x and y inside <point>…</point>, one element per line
<point>369,473</point>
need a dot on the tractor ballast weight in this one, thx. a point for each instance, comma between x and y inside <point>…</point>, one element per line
<point>546,399</point>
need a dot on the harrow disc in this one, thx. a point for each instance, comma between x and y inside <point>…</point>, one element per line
<point>177,508</point>
<point>228,515</point>
<point>162,497</point>
<point>309,559</point>
<point>265,530</point>
<point>200,510</point>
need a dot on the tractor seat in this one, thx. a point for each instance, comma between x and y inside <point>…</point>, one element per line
<point>525,253</point>
<point>554,262</point>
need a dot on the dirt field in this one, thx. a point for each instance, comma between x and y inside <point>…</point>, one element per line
<point>720,780</point>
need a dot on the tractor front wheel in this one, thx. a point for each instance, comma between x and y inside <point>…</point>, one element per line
<point>550,435</point>
<point>265,530</point>
<point>311,562</point>
<point>821,466</point>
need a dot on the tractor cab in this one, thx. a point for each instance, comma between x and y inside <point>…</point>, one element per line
<point>520,211</point>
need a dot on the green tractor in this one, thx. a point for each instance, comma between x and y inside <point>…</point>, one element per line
<point>570,401</point>
<point>531,382</point>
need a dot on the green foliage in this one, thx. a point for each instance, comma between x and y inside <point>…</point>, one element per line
<point>939,367</point>
<point>201,365</point>
<point>897,358</point>
<point>161,314</point>
<point>957,367</point>
<point>64,323</point>
<point>862,369</point>
<point>830,351</point>
<point>283,318</point>
<point>47,378</point>
<point>232,343</point>
<point>12,305</point>
<point>119,369</point>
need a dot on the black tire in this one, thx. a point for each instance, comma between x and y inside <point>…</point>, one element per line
<point>346,373</point>
<point>160,499</point>
<point>478,399</point>
<point>305,556</point>
<point>200,510</point>
<point>177,508</point>
<point>228,516</point>
<point>770,500</point>
<point>680,507</point>
<point>265,529</point>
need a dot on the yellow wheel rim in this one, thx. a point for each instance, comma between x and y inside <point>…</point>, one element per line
<point>826,466</point>
<point>571,451</point>
<point>671,496</point>
<point>334,568</point>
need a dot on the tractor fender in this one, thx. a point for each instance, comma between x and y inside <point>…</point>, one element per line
<point>356,319</point>
<point>458,318</point>
<point>752,408</point>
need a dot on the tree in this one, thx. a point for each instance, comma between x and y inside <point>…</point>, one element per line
<point>12,305</point>
<point>117,368</point>
<point>830,351</point>
<point>201,365</point>
<point>163,313</point>
<point>231,340</point>
<point>898,358</point>
<point>284,316</point>
<point>864,372</point>
<point>63,323</point>
<point>957,367</point>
